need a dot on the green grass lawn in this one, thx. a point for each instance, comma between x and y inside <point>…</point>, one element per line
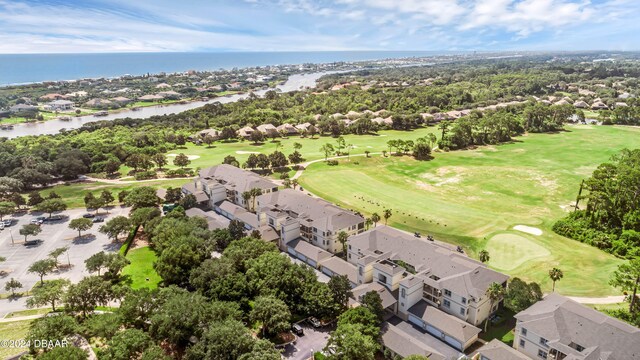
<point>474,198</point>
<point>503,330</point>
<point>28,312</point>
<point>141,268</point>
<point>209,156</point>
<point>13,330</point>
<point>73,194</point>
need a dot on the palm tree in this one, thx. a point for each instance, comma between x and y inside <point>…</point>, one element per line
<point>555,274</point>
<point>255,192</point>
<point>495,293</point>
<point>484,256</point>
<point>386,214</point>
<point>367,223</point>
<point>375,218</point>
<point>342,238</point>
<point>444,126</point>
<point>246,196</point>
<point>294,183</point>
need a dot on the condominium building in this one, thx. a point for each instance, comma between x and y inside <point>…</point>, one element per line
<point>558,328</point>
<point>298,216</point>
<point>227,182</point>
<point>425,274</point>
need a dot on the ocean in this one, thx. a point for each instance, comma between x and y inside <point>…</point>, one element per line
<point>30,68</point>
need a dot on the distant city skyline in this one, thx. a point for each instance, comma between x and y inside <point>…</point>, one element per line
<point>58,26</point>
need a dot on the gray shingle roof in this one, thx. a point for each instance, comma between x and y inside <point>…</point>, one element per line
<point>497,350</point>
<point>563,321</point>
<point>309,251</point>
<point>454,271</point>
<point>341,267</point>
<point>404,344</point>
<point>235,178</point>
<point>313,211</point>
<point>451,325</point>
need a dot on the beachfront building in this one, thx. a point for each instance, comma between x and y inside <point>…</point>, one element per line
<point>300,217</point>
<point>226,182</point>
<point>424,274</point>
<point>558,328</point>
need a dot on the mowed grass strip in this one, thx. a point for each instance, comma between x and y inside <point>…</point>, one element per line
<point>141,268</point>
<point>13,330</point>
<point>469,197</point>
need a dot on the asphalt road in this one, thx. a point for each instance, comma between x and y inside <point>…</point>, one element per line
<point>54,235</point>
<point>312,341</point>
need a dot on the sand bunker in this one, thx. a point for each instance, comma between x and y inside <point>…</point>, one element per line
<point>247,152</point>
<point>190,157</point>
<point>528,229</point>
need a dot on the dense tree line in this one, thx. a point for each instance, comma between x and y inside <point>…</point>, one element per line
<point>607,214</point>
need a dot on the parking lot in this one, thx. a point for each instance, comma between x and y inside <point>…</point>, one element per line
<point>54,235</point>
<point>312,341</point>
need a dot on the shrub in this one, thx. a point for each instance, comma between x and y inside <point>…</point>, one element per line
<point>145,175</point>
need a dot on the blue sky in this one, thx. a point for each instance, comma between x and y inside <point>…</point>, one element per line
<point>56,26</point>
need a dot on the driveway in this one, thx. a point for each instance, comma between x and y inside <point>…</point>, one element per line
<point>53,235</point>
<point>312,341</point>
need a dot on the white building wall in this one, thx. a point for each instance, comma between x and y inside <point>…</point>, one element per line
<point>409,296</point>
<point>531,341</point>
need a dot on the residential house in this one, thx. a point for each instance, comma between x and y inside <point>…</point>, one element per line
<point>287,129</point>
<point>150,98</point>
<point>227,182</point>
<point>22,109</point>
<point>559,328</point>
<point>424,273</point>
<point>59,105</point>
<point>581,104</point>
<point>245,132</point>
<point>170,95</point>
<point>267,129</point>
<point>296,215</point>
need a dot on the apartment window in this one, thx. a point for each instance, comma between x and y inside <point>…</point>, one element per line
<point>349,247</point>
<point>271,222</point>
<point>382,278</point>
<point>542,354</point>
<point>522,343</point>
<point>315,238</point>
<point>464,300</point>
<point>446,303</point>
<point>447,292</point>
<point>403,292</point>
<point>360,270</point>
<point>315,230</point>
<point>349,256</point>
<point>523,332</point>
<point>543,342</point>
<point>463,311</point>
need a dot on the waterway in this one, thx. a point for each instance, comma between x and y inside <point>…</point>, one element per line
<point>295,82</point>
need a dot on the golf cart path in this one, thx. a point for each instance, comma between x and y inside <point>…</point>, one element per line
<point>304,165</point>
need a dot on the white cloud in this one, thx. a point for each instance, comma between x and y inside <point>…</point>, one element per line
<point>289,25</point>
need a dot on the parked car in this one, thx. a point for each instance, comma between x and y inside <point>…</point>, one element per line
<point>88,216</point>
<point>57,217</point>
<point>297,329</point>
<point>315,322</point>
<point>7,222</point>
<point>33,243</point>
<point>37,221</point>
<point>98,219</point>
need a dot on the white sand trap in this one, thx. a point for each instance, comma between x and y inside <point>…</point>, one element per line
<point>528,229</point>
<point>190,157</point>
<point>247,152</point>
